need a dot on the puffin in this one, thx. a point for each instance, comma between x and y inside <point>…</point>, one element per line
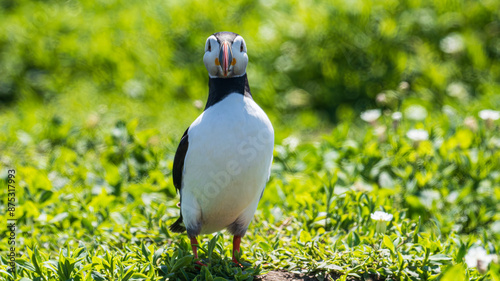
<point>223,160</point>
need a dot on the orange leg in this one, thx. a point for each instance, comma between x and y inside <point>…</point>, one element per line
<point>236,247</point>
<point>194,246</point>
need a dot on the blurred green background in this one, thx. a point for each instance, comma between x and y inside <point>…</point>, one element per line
<point>94,96</point>
<point>311,62</point>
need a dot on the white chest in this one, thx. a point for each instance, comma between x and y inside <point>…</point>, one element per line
<point>228,160</point>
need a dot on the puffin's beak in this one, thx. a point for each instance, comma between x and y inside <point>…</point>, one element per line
<point>225,57</point>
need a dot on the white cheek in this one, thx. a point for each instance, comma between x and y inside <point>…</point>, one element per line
<point>209,60</point>
<point>241,63</point>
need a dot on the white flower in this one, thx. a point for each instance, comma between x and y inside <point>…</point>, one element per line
<point>471,123</point>
<point>416,112</point>
<point>92,120</point>
<point>198,104</point>
<point>489,114</point>
<point>380,132</point>
<point>477,257</point>
<point>457,90</point>
<point>450,111</point>
<point>397,116</point>
<point>403,86</point>
<point>427,197</point>
<point>134,88</point>
<point>417,135</point>
<point>381,216</point>
<point>292,142</point>
<point>494,142</point>
<point>371,115</point>
<point>452,44</point>
<point>381,98</point>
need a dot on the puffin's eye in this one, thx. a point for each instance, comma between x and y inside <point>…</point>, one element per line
<point>209,47</point>
<point>241,47</point>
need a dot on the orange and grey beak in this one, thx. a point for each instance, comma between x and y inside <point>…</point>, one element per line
<point>225,57</point>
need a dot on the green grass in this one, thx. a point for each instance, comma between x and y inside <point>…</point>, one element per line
<point>96,206</point>
<point>88,95</point>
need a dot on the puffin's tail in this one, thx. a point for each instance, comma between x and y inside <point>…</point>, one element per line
<point>178,226</point>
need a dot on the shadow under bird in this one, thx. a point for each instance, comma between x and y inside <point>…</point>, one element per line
<point>224,158</point>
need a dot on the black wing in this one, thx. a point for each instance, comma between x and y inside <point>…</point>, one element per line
<point>177,169</point>
<point>180,155</point>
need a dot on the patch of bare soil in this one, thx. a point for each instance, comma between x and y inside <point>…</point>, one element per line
<point>283,275</point>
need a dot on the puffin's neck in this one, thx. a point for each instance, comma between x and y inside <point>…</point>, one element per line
<point>219,88</point>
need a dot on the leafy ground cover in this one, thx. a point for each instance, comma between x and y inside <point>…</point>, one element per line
<point>96,206</point>
<point>95,95</point>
